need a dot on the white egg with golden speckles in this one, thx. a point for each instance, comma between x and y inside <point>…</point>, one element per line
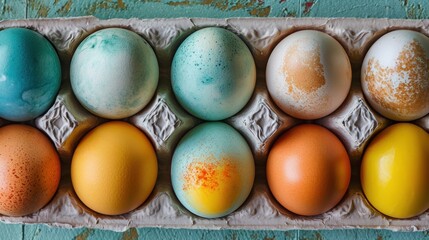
<point>395,75</point>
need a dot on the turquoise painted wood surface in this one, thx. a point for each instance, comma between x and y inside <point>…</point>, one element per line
<point>21,9</point>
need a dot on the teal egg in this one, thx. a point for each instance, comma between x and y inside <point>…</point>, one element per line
<point>212,170</point>
<point>213,74</point>
<point>30,74</point>
<point>114,73</point>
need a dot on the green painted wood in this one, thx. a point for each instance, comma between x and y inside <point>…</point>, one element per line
<point>413,9</point>
<point>20,9</point>
<point>10,9</point>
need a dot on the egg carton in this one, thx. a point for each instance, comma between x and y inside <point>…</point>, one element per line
<point>164,121</point>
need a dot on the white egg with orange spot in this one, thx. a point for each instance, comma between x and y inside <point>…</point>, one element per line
<point>308,74</point>
<point>395,75</point>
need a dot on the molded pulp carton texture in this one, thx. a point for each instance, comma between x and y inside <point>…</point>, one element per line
<point>260,122</point>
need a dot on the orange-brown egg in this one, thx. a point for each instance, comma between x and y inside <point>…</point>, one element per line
<point>308,170</point>
<point>30,170</point>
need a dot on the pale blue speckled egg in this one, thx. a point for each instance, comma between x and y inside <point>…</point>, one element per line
<point>114,73</point>
<point>212,170</point>
<point>213,74</point>
<point>30,74</point>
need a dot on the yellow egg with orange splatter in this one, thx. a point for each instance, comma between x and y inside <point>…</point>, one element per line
<point>212,170</point>
<point>395,75</point>
<point>308,74</point>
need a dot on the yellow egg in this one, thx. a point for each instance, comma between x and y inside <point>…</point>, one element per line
<point>395,171</point>
<point>114,168</point>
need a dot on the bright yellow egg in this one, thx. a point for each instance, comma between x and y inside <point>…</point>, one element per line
<point>114,168</point>
<point>395,171</point>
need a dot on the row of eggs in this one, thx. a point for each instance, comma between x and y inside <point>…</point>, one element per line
<point>114,170</point>
<point>114,74</point>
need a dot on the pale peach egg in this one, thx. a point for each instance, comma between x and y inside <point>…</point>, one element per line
<point>308,74</point>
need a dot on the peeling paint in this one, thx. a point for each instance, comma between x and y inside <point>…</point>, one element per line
<point>289,13</point>
<point>131,234</point>
<point>84,235</point>
<point>269,238</point>
<point>415,11</point>
<point>308,5</point>
<point>6,9</point>
<point>255,8</point>
<point>260,12</point>
<point>65,9</point>
<point>42,9</point>
<point>106,5</point>
<point>316,236</point>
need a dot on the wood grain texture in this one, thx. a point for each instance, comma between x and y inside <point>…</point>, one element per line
<point>20,9</point>
<point>411,9</point>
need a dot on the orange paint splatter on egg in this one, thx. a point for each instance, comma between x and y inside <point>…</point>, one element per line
<point>209,174</point>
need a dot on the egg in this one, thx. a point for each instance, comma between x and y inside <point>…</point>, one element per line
<point>395,171</point>
<point>30,170</point>
<point>213,74</point>
<point>308,74</point>
<point>114,73</point>
<point>30,74</point>
<point>308,170</point>
<point>212,170</point>
<point>114,168</point>
<point>395,75</point>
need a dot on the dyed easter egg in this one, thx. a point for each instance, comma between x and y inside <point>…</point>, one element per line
<point>395,171</point>
<point>308,170</point>
<point>30,74</point>
<point>308,74</point>
<point>29,173</point>
<point>212,170</point>
<point>213,74</point>
<point>114,73</point>
<point>395,75</point>
<point>114,168</point>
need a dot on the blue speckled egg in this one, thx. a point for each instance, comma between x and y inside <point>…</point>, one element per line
<point>213,74</point>
<point>114,73</point>
<point>212,170</point>
<point>30,74</point>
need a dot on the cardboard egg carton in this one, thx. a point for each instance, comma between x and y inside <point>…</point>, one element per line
<point>164,121</point>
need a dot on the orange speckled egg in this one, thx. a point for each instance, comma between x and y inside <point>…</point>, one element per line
<point>308,170</point>
<point>30,170</point>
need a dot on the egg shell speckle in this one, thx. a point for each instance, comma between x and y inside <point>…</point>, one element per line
<point>213,74</point>
<point>29,172</point>
<point>212,170</point>
<point>395,75</point>
<point>308,74</point>
<point>114,73</point>
<point>27,88</point>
